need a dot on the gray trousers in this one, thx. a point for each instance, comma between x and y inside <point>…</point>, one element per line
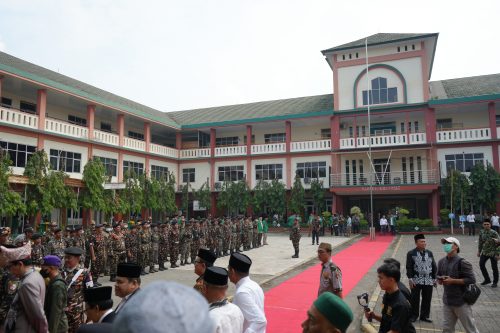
<point>463,313</point>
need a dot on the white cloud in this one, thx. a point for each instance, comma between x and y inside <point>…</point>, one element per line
<point>3,47</point>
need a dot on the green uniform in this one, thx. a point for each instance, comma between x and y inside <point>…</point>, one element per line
<point>295,236</point>
<point>55,303</point>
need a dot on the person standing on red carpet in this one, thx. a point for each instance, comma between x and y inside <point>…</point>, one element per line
<point>331,276</point>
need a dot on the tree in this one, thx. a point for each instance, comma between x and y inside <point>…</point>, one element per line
<point>167,193</point>
<point>261,196</point>
<point>152,196</point>
<point>296,202</point>
<point>10,201</point>
<point>185,199</point>
<point>94,177</point>
<point>203,196</point>
<point>61,196</point>
<point>234,197</point>
<point>485,186</point>
<point>318,195</point>
<point>37,198</point>
<point>277,197</point>
<point>132,195</point>
<point>456,189</point>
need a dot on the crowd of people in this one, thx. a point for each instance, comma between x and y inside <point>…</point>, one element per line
<point>48,283</point>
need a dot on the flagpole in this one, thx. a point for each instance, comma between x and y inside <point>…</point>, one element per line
<point>369,100</point>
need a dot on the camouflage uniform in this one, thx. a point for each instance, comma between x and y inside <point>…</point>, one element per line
<point>247,235</point>
<point>295,238</point>
<point>118,253</point>
<point>255,234</point>
<point>8,289</point>
<point>163,248</point>
<point>56,247</point>
<point>74,310</point>
<point>98,243</point>
<point>219,236</point>
<point>174,246</point>
<point>132,245</point>
<point>196,242</point>
<point>37,254</point>
<point>186,239</point>
<point>155,247</point>
<point>234,237</point>
<point>144,246</point>
<point>226,237</point>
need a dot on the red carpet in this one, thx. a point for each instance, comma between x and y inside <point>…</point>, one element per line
<point>286,305</point>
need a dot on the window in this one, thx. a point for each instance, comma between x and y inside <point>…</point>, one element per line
<point>6,102</point>
<point>66,161</point>
<point>347,173</point>
<point>252,140</point>
<point>227,141</point>
<point>380,93</point>
<point>275,137</point>
<point>27,107</point>
<point>158,172</point>
<point>351,132</point>
<point>268,171</point>
<point>415,126</point>
<point>231,173</point>
<point>106,127</point>
<point>463,162</point>
<point>188,175</point>
<point>18,153</point>
<point>135,135</point>
<point>326,133</point>
<point>77,120</point>
<point>444,123</point>
<point>136,167</point>
<point>498,120</point>
<point>403,128</point>
<point>311,170</point>
<point>110,165</point>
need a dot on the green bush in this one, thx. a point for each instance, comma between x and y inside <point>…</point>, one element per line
<point>407,222</point>
<point>443,213</point>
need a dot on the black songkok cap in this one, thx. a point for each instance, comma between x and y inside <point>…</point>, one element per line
<point>74,251</point>
<point>36,236</point>
<point>128,270</point>
<point>240,262</point>
<point>216,276</point>
<point>96,295</point>
<point>207,255</point>
<point>419,236</point>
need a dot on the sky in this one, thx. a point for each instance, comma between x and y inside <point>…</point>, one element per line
<point>179,55</point>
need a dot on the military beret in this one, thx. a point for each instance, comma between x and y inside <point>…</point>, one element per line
<point>74,251</point>
<point>129,270</point>
<point>28,229</point>
<point>163,225</point>
<point>98,294</point>
<point>115,224</point>
<point>70,229</point>
<point>207,255</point>
<point>57,230</point>
<point>99,225</point>
<point>419,236</point>
<point>51,260</point>
<point>36,236</point>
<point>216,276</point>
<point>335,310</point>
<point>326,246</point>
<point>240,262</point>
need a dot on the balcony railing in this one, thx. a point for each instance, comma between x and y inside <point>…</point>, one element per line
<point>106,137</point>
<point>310,145</point>
<point>269,148</point>
<point>384,140</point>
<point>134,144</point>
<point>163,150</point>
<point>230,151</point>
<point>19,118</point>
<point>466,134</point>
<point>65,128</point>
<point>397,178</point>
<point>195,153</point>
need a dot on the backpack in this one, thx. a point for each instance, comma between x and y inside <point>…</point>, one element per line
<point>472,291</point>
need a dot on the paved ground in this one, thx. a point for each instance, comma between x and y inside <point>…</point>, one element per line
<point>269,262</point>
<point>485,311</point>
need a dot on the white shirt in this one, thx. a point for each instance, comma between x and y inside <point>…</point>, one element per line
<point>383,221</point>
<point>227,319</point>
<point>249,297</point>
<point>494,221</point>
<point>471,218</point>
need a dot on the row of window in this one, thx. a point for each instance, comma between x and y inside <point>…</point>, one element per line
<point>268,138</point>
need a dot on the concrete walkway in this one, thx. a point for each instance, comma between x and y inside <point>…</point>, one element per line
<point>485,311</point>
<point>269,261</point>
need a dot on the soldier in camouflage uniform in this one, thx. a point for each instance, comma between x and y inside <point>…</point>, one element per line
<point>226,237</point>
<point>37,250</point>
<point>185,243</point>
<point>196,240</point>
<point>97,249</point>
<point>8,284</point>
<point>234,237</point>
<point>295,237</point>
<point>144,246</point>
<point>118,251</point>
<point>56,246</point>
<point>255,234</point>
<point>132,245</point>
<point>77,279</point>
<point>219,236</point>
<point>163,247</point>
<point>155,247</point>
<point>49,234</point>
<point>174,244</point>
<point>247,236</point>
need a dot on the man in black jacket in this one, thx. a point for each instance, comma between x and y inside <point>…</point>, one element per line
<point>421,272</point>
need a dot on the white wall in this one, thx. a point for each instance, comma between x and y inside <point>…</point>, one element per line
<point>442,152</point>
<point>172,167</point>
<point>202,172</point>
